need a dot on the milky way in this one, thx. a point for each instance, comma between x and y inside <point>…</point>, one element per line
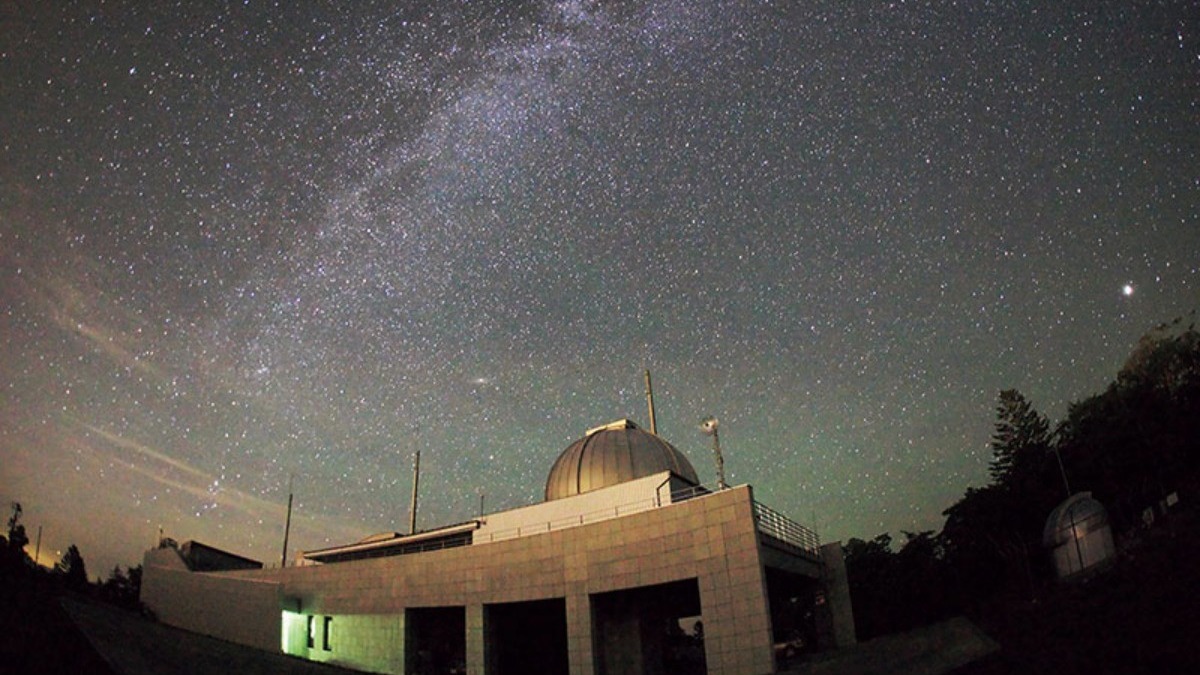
<point>248,241</point>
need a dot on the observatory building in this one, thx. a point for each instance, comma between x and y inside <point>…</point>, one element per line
<point>629,566</point>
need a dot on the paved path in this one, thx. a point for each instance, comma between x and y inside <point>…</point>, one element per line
<point>133,645</point>
<point>930,650</point>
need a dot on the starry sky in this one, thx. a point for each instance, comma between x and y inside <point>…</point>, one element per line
<point>246,241</point>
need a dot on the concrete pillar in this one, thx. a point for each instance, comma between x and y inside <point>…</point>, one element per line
<point>837,596</point>
<point>579,632</point>
<point>476,636</point>
<point>737,622</point>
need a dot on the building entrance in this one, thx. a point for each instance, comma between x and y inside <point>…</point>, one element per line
<point>652,630</point>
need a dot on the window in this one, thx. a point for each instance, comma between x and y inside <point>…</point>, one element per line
<point>312,632</point>
<point>327,637</point>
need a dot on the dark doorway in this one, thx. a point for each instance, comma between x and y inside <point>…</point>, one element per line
<point>796,605</point>
<point>435,641</point>
<point>652,630</point>
<point>526,637</point>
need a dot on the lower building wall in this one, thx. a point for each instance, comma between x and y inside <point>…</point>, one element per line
<point>246,611</point>
<point>369,642</point>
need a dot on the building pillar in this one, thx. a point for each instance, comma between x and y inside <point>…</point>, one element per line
<point>476,640</point>
<point>837,596</point>
<point>733,591</point>
<point>737,627</point>
<point>580,653</point>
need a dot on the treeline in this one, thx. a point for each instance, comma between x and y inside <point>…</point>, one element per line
<point>1135,447</point>
<point>70,573</point>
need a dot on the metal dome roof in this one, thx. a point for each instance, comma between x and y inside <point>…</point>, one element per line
<point>1078,514</point>
<point>611,454</point>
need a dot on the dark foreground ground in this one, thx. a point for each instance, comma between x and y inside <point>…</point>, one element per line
<point>43,631</point>
<point>37,636</point>
<point>1143,616</point>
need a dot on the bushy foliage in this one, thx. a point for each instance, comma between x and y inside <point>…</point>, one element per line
<point>123,587</point>
<point>1139,440</point>
<point>895,591</point>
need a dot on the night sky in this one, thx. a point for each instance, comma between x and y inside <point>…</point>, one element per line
<point>245,240</point>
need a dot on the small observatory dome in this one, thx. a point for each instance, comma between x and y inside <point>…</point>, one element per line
<point>1078,535</point>
<point>614,453</point>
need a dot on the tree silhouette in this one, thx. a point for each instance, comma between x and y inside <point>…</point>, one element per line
<point>72,570</point>
<point>992,535</point>
<point>1139,440</point>
<point>123,587</point>
<point>1020,442</point>
<point>12,548</point>
<point>17,540</point>
<point>896,591</point>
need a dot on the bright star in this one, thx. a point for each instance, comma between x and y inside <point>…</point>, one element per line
<point>1127,290</point>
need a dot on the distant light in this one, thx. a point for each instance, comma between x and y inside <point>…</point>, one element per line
<point>1127,290</point>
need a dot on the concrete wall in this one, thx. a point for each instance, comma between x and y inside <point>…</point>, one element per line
<point>368,642</point>
<point>711,539</point>
<point>246,610</point>
<point>837,596</point>
<point>625,498</point>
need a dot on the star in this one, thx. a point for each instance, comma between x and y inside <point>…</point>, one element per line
<point>467,228</point>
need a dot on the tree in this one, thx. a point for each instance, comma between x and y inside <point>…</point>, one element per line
<point>992,536</point>
<point>987,543</point>
<point>123,587</point>
<point>870,572</point>
<point>893,592</point>
<point>12,548</point>
<point>72,569</point>
<point>1139,440</point>
<point>1020,443</point>
<point>17,540</point>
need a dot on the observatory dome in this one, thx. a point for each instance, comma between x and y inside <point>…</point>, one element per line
<point>614,453</point>
<point>1079,537</point>
<point>1070,520</point>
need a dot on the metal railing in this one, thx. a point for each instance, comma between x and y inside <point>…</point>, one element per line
<point>782,529</point>
<point>777,527</point>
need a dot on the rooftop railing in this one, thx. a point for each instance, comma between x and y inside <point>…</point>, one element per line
<point>786,531</point>
<point>777,527</point>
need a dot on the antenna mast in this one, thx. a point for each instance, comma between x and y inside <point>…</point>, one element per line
<point>287,527</point>
<point>650,404</point>
<point>412,509</point>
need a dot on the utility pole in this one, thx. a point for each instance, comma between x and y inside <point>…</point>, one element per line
<point>412,509</point>
<point>1063,470</point>
<point>287,527</point>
